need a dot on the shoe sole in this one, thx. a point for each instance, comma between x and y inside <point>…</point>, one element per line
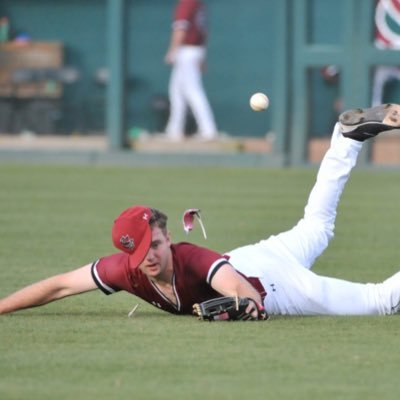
<point>386,114</point>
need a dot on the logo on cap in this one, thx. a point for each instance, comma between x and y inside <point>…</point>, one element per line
<point>127,242</point>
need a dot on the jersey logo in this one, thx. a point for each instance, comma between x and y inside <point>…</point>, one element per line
<point>127,242</point>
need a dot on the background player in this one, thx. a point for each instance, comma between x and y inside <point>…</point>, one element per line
<point>187,55</point>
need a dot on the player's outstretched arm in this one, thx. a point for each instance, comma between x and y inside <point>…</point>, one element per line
<point>229,283</point>
<point>57,287</point>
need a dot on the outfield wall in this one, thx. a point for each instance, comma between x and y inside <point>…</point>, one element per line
<point>255,45</point>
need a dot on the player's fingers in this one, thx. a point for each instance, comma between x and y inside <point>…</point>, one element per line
<point>252,310</point>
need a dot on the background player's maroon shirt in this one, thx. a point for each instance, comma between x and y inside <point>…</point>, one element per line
<point>190,15</point>
<point>194,268</point>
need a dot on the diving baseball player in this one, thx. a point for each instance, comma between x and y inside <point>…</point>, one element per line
<point>275,273</point>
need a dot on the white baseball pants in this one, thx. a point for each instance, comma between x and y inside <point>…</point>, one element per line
<point>186,89</point>
<point>283,262</point>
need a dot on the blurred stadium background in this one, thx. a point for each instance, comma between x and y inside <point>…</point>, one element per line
<point>112,82</point>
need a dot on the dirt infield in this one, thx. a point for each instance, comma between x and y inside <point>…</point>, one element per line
<point>149,151</point>
<point>385,149</point>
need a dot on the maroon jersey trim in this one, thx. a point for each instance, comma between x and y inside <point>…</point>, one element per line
<point>176,306</point>
<point>181,24</point>
<point>101,285</point>
<point>216,265</point>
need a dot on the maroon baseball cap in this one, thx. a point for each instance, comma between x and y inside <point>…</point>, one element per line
<point>131,233</point>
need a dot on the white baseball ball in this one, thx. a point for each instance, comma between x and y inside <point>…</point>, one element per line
<point>259,102</point>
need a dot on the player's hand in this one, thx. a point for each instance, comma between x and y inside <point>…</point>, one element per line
<point>252,309</point>
<point>170,57</point>
<point>203,66</point>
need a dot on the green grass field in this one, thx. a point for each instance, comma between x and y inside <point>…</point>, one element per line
<point>55,219</point>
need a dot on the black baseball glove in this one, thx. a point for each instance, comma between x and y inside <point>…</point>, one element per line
<point>229,309</point>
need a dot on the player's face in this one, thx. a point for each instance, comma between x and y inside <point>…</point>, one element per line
<point>158,258</point>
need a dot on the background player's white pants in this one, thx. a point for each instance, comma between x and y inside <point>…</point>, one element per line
<point>283,262</point>
<point>186,89</point>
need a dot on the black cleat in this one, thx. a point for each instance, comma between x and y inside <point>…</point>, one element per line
<point>363,123</point>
